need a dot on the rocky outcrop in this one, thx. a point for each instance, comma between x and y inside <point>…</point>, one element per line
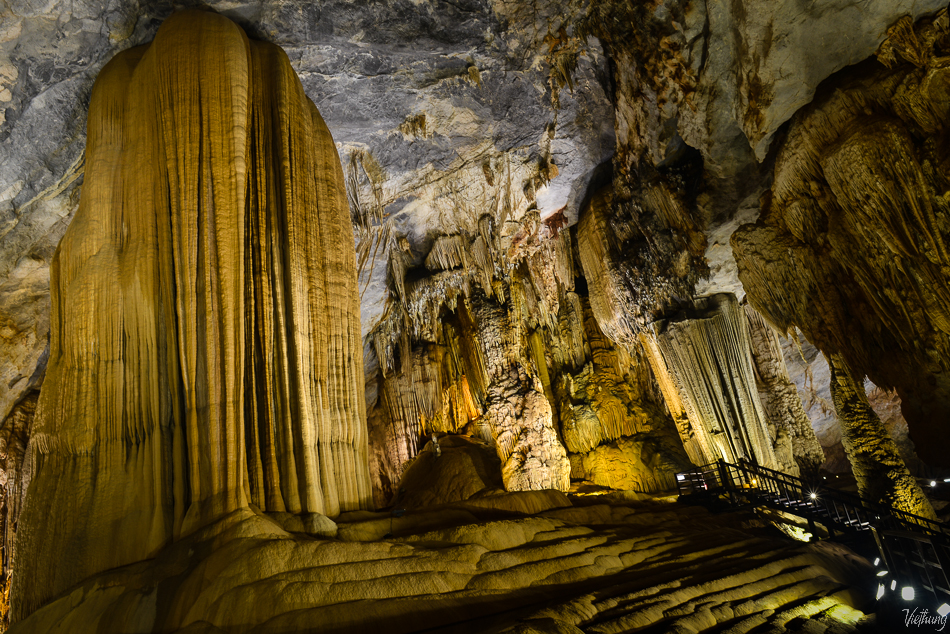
<point>450,469</point>
<point>205,314</point>
<point>851,247</point>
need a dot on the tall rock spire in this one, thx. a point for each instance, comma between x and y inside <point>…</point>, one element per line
<point>205,349</point>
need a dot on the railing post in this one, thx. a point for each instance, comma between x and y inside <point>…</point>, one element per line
<point>725,478</point>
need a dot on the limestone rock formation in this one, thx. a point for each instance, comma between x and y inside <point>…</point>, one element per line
<point>880,473</point>
<point>14,436</point>
<point>780,399</point>
<point>518,412</point>
<point>205,332</point>
<point>851,245</point>
<point>532,186</point>
<point>722,77</point>
<point>705,354</point>
<point>601,567</point>
<point>450,469</point>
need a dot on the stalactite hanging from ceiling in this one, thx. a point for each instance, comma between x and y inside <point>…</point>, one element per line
<point>706,352</point>
<point>205,350</point>
<point>524,275</point>
<point>851,247</point>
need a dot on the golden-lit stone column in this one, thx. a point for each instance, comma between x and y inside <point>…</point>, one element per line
<point>205,348</point>
<point>532,456</point>
<point>880,473</point>
<point>706,357</point>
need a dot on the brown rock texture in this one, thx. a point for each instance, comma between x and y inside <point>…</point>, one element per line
<point>205,321</point>
<point>518,413</point>
<point>880,472</point>
<point>780,399</point>
<point>851,244</point>
<point>14,436</point>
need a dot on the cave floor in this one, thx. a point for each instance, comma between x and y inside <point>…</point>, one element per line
<point>590,564</point>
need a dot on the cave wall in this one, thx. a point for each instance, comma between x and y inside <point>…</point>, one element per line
<point>851,245</point>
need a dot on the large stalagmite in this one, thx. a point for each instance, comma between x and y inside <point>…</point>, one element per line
<point>205,349</point>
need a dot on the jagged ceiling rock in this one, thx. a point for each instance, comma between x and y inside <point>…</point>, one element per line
<point>444,97</point>
<point>851,247</point>
<point>723,76</point>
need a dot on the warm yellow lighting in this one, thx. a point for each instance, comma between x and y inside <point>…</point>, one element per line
<point>795,532</point>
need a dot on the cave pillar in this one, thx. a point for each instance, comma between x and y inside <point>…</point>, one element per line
<point>780,398</point>
<point>517,410</point>
<point>880,473</point>
<point>205,350</point>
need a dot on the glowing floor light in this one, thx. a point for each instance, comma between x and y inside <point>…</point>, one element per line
<point>877,560</point>
<point>893,584</point>
<point>880,591</point>
<point>907,593</point>
<point>943,610</point>
<point>882,573</point>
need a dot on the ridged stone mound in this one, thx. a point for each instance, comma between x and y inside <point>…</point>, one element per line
<point>205,350</point>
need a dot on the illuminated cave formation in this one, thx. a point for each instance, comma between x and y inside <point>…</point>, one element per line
<point>555,270</point>
<point>205,318</point>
